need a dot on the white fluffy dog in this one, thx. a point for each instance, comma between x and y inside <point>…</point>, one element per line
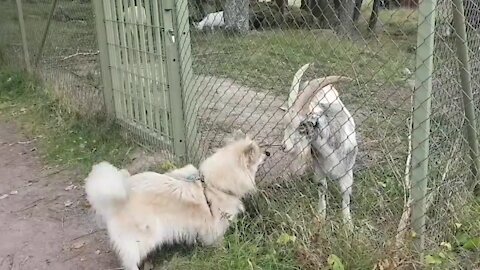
<point>146,210</point>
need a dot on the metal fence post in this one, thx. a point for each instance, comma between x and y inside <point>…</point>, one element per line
<point>465,79</point>
<point>421,118</point>
<point>173,70</point>
<point>24,35</point>
<point>187,79</point>
<point>104,57</point>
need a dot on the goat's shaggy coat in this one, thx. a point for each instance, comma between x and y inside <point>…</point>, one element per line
<point>320,130</point>
<point>146,210</point>
<point>211,20</point>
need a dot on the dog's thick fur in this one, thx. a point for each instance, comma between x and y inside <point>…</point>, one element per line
<point>146,210</point>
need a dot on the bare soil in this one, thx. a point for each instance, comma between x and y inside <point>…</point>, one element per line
<point>44,221</point>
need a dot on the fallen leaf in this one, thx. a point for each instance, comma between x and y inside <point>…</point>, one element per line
<point>447,245</point>
<point>429,259</point>
<point>97,252</point>
<point>472,244</point>
<point>78,245</point>
<point>70,187</point>
<point>14,192</point>
<point>4,196</point>
<point>68,203</point>
<point>285,238</point>
<point>335,262</point>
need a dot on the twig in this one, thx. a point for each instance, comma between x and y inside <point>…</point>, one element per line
<point>450,160</point>
<point>80,54</point>
<point>83,235</point>
<point>356,75</point>
<point>30,205</point>
<point>407,207</point>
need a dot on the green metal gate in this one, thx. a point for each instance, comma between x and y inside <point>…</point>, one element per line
<point>143,68</point>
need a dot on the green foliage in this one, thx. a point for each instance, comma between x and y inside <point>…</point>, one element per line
<point>65,138</point>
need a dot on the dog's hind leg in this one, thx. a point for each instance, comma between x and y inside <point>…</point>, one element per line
<point>346,183</point>
<point>129,254</point>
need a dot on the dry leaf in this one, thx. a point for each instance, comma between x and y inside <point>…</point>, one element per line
<point>14,192</point>
<point>68,203</point>
<point>70,187</point>
<point>78,245</point>
<point>4,196</point>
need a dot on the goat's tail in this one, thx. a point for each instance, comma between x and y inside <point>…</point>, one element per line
<point>107,188</point>
<point>297,78</point>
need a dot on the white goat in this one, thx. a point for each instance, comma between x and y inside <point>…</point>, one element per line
<point>212,20</point>
<point>320,129</point>
<point>135,18</point>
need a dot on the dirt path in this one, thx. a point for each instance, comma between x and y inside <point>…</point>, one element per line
<point>45,225</point>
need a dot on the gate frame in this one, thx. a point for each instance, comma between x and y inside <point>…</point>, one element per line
<point>178,67</point>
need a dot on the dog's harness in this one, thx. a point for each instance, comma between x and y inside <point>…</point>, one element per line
<point>200,177</point>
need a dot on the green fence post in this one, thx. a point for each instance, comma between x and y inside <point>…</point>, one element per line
<point>98,6</point>
<point>187,81</point>
<point>421,118</point>
<point>465,79</point>
<point>173,71</point>
<point>21,21</point>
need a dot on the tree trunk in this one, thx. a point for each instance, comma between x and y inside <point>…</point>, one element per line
<point>358,9</point>
<point>200,8</point>
<point>323,11</point>
<point>236,16</point>
<point>372,23</point>
<point>344,24</point>
<point>281,5</point>
<point>304,4</point>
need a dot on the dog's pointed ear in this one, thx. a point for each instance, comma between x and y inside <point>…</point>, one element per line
<point>125,173</point>
<point>238,135</point>
<point>250,152</point>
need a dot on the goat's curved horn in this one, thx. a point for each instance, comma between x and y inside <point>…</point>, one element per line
<point>296,84</point>
<point>310,92</point>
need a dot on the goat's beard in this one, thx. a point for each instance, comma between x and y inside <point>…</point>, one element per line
<point>300,161</point>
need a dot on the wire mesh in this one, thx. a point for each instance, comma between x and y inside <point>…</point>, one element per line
<point>242,81</point>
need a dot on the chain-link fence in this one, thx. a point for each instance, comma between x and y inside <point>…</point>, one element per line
<point>69,60</point>
<point>243,57</point>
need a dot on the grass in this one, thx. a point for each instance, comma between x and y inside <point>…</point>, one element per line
<point>65,138</point>
<point>281,229</point>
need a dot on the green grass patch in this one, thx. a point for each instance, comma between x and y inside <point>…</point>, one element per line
<point>267,60</point>
<point>65,139</point>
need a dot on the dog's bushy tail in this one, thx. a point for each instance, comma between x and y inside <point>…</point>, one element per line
<point>107,188</point>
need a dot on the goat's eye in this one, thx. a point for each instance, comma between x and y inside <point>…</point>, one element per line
<point>301,128</point>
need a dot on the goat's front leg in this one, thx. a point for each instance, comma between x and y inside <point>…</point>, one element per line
<point>321,178</point>
<point>346,183</point>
